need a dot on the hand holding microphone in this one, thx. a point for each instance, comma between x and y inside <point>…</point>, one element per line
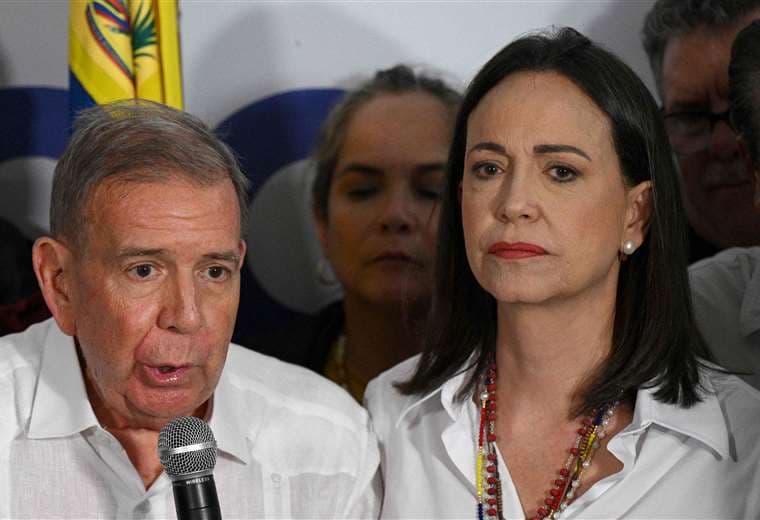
<point>187,449</point>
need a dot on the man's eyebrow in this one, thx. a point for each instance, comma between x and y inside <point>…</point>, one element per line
<point>488,146</point>
<point>224,256</point>
<point>560,148</point>
<point>138,251</point>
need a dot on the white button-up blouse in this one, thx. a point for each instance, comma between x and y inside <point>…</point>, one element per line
<point>696,463</point>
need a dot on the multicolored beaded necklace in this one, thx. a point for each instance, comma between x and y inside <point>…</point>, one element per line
<point>564,486</point>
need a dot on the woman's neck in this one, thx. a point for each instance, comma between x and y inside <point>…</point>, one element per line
<point>379,337</point>
<point>546,352</point>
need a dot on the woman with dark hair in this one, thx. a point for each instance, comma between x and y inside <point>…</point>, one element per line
<point>379,158</point>
<point>563,374</point>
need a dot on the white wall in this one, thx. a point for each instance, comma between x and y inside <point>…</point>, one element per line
<point>235,53</point>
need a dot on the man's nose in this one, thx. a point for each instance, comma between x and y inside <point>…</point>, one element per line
<point>723,145</point>
<point>181,307</point>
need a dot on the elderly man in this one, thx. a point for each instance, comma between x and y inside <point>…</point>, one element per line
<point>689,46</point>
<point>726,288</point>
<point>141,273</point>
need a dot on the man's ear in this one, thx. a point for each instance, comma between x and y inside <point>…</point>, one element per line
<point>53,265</point>
<point>638,213</point>
<point>242,248</point>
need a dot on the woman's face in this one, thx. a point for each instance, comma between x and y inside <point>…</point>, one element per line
<point>545,209</point>
<point>381,226</point>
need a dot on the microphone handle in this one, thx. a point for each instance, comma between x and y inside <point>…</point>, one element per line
<point>196,499</point>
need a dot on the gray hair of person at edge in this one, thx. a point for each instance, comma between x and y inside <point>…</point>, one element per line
<point>400,79</point>
<point>136,141</point>
<point>673,18</point>
<point>744,88</point>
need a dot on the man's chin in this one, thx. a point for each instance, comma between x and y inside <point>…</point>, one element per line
<point>154,415</point>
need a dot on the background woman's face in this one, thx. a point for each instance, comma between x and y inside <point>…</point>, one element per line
<point>381,226</point>
<point>544,205</point>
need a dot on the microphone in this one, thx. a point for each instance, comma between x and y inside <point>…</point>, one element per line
<point>187,449</point>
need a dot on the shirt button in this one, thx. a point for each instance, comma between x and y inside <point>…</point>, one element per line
<point>276,479</point>
<point>142,509</point>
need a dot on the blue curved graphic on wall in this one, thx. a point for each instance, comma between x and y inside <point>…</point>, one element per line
<point>35,122</point>
<point>268,135</point>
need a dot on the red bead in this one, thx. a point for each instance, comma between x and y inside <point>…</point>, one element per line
<point>492,373</point>
<point>560,482</point>
<point>574,451</point>
<point>491,457</point>
<point>543,511</point>
<point>582,431</point>
<point>491,405</point>
<point>491,468</point>
<point>491,480</point>
<point>555,503</point>
<point>587,421</point>
<point>491,387</point>
<point>491,416</point>
<point>491,501</point>
<point>491,512</point>
<point>549,502</point>
<point>491,437</point>
<point>491,491</point>
<point>564,472</point>
<point>554,492</point>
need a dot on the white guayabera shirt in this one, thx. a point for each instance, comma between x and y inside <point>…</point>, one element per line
<point>696,463</point>
<point>291,444</point>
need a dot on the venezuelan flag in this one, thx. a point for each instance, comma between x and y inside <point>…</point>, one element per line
<point>121,49</point>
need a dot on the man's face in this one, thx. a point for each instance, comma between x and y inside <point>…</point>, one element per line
<point>716,186</point>
<point>154,292</point>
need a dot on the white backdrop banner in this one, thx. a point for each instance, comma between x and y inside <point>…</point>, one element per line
<point>265,74</point>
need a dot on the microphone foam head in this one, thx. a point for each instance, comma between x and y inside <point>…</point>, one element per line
<point>186,446</point>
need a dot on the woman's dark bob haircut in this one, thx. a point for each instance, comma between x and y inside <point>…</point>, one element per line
<point>655,342</point>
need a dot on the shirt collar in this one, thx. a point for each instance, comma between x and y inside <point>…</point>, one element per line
<point>225,421</point>
<point>61,406</point>
<point>749,313</point>
<point>447,391</point>
<point>703,422</point>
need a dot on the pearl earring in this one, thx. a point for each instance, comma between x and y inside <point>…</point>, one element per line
<point>629,246</point>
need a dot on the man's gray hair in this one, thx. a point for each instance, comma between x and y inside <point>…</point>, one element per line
<point>141,141</point>
<point>670,19</point>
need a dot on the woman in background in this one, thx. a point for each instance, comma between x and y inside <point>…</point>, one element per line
<point>380,158</point>
<point>562,375</point>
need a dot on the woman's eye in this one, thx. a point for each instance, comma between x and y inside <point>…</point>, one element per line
<point>486,169</point>
<point>361,193</point>
<point>563,173</point>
